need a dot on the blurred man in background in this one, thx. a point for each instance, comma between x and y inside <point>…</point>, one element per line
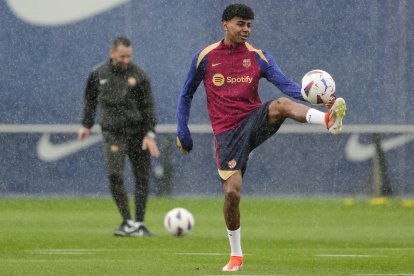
<point>123,92</point>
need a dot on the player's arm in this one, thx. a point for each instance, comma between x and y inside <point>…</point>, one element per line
<point>89,108</point>
<point>194,77</point>
<point>274,74</point>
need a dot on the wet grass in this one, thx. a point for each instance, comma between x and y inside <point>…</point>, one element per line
<point>280,237</point>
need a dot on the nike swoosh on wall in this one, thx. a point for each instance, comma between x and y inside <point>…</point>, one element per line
<point>48,151</point>
<point>358,152</point>
<point>59,12</point>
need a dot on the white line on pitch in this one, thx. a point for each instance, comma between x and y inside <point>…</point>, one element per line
<point>81,251</point>
<point>95,251</point>
<point>66,251</point>
<point>200,254</point>
<point>204,254</point>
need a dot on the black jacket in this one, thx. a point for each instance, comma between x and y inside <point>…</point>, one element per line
<point>124,96</point>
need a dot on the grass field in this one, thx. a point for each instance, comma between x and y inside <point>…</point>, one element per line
<point>279,237</point>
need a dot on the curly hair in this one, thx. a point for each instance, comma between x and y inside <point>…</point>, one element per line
<point>237,10</point>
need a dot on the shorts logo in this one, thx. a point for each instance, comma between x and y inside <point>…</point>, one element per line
<point>218,79</point>
<point>232,164</point>
<point>114,148</point>
<point>247,63</point>
<point>132,81</point>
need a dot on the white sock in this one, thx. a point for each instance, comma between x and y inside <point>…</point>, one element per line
<point>235,245</point>
<point>315,117</point>
<point>131,222</point>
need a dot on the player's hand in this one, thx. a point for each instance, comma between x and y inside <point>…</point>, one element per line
<point>83,133</point>
<point>330,102</point>
<point>150,144</point>
<point>184,140</point>
<point>184,143</point>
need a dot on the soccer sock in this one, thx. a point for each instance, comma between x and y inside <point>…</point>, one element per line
<point>235,244</point>
<point>131,222</point>
<point>314,116</point>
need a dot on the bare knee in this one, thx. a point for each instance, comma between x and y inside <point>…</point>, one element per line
<point>280,105</point>
<point>278,109</point>
<point>232,190</point>
<point>232,196</point>
<point>283,108</point>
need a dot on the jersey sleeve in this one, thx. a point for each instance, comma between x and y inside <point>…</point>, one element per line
<point>274,74</point>
<point>146,103</point>
<point>194,77</point>
<point>90,100</point>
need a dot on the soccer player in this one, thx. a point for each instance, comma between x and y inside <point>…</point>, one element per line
<point>231,70</point>
<point>123,91</point>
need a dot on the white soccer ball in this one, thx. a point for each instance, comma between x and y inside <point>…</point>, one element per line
<point>317,87</point>
<point>179,222</point>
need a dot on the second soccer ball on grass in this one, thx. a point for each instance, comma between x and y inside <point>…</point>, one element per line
<point>179,222</point>
<point>317,87</point>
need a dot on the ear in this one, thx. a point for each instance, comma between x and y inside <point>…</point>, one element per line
<point>224,25</point>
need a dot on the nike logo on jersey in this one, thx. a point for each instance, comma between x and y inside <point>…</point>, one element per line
<point>59,12</point>
<point>215,64</point>
<point>48,151</point>
<point>358,152</point>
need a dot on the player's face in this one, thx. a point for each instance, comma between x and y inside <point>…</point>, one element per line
<point>121,56</point>
<point>237,30</point>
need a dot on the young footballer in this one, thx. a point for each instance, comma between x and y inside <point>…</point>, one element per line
<point>230,70</point>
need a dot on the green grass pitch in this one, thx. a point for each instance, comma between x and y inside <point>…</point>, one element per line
<point>279,237</point>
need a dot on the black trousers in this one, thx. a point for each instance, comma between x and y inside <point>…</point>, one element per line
<point>118,145</point>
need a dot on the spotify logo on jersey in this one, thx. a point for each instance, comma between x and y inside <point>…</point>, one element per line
<point>218,79</point>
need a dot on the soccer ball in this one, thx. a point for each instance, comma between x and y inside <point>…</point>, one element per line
<point>317,87</point>
<point>179,222</point>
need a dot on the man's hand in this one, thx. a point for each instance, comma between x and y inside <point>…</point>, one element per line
<point>83,133</point>
<point>185,144</point>
<point>150,144</point>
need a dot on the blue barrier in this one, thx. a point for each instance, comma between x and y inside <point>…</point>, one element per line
<point>47,53</point>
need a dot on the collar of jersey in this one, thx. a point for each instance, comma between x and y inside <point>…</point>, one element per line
<point>240,47</point>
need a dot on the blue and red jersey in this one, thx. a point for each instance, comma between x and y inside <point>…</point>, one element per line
<point>231,79</point>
